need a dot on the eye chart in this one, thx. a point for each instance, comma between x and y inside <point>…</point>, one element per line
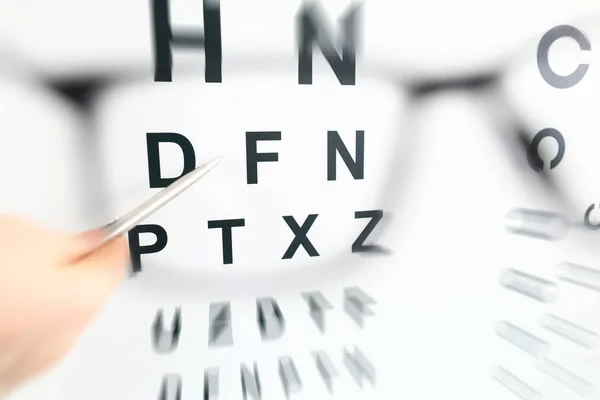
<point>353,241</point>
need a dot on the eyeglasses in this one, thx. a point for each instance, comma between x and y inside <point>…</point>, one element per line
<point>486,86</point>
<point>520,144</point>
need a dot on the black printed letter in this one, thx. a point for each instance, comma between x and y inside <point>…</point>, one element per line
<point>164,39</point>
<point>153,140</point>
<point>335,143</point>
<point>252,155</point>
<point>300,238</point>
<point>226,225</point>
<point>136,251</point>
<point>358,246</point>
<point>311,27</point>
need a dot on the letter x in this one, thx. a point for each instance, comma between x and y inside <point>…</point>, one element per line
<point>300,238</point>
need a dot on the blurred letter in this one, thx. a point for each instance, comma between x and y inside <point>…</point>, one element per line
<point>271,322</point>
<point>220,332</point>
<point>552,78</point>
<point>356,305</point>
<point>325,368</point>
<point>359,367</point>
<point>250,383</point>
<point>166,341</point>
<point>289,376</point>
<point>312,28</point>
<point>170,389</point>
<point>165,38</point>
<point>586,219</point>
<point>317,305</point>
<point>533,156</point>
<point>211,384</point>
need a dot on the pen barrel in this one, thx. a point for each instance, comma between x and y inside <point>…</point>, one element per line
<point>126,222</point>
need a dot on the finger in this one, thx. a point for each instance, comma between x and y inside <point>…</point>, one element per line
<point>94,277</point>
<point>82,245</point>
<point>112,255</point>
<point>25,238</point>
<point>39,356</point>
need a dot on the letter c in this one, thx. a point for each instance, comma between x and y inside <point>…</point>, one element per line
<point>533,157</point>
<point>586,219</point>
<point>551,77</point>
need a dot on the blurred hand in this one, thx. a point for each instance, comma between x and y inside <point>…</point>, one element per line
<point>46,297</point>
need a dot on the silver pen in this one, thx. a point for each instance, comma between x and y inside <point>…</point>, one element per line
<point>128,221</point>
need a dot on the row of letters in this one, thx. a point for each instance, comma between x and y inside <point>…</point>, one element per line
<point>335,145</point>
<point>227,225</point>
<point>358,365</point>
<point>312,30</point>
<point>269,318</point>
<point>271,324</point>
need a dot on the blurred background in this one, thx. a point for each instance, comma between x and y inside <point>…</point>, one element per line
<point>443,166</point>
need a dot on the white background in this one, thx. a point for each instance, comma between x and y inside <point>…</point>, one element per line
<point>438,296</point>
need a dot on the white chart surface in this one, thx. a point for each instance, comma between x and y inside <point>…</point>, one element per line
<point>439,298</point>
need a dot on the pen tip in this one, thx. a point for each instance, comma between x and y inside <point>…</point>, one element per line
<point>213,163</point>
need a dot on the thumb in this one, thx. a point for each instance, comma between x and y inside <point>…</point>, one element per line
<point>101,271</point>
<point>81,244</point>
<point>88,248</point>
<point>113,255</point>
